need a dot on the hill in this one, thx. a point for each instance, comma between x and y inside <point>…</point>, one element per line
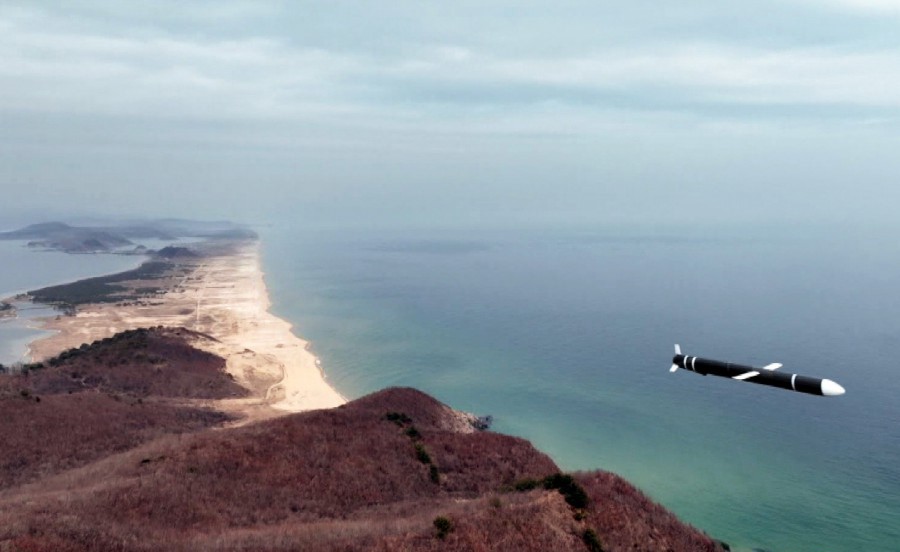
<point>115,237</point>
<point>116,457</point>
<point>104,398</point>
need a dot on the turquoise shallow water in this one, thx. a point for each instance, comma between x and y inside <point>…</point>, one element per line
<point>566,337</point>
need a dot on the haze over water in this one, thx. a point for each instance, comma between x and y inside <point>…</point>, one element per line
<point>566,337</point>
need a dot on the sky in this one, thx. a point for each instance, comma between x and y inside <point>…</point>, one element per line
<point>458,112</point>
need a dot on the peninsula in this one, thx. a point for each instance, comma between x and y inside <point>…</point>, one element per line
<point>214,288</point>
<point>171,410</point>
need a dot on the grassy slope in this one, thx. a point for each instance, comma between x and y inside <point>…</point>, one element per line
<point>341,479</point>
<point>105,398</point>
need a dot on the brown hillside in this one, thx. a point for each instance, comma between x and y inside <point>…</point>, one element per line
<point>47,434</point>
<point>371,475</point>
<point>144,362</point>
<point>102,399</point>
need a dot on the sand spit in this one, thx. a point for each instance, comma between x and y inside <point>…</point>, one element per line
<point>223,295</point>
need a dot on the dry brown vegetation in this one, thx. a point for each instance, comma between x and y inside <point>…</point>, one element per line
<point>144,362</point>
<point>348,478</point>
<point>104,398</point>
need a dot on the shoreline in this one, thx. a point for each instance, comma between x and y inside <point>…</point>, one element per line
<point>17,320</point>
<point>223,295</point>
<point>9,296</point>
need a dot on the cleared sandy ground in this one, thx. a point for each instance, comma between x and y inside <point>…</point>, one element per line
<point>223,295</point>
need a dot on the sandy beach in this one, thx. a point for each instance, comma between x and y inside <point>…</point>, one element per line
<point>222,295</point>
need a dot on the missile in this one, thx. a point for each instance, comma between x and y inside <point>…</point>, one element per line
<point>767,375</point>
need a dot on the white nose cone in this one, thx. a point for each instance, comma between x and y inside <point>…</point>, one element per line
<point>831,389</point>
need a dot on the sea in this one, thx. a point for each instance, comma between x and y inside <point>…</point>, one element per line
<point>565,336</point>
<point>23,268</point>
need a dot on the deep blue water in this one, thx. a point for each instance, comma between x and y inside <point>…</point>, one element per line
<point>566,337</point>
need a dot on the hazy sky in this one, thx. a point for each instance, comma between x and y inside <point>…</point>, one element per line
<point>453,111</point>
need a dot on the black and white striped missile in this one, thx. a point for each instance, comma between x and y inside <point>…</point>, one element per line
<point>767,375</point>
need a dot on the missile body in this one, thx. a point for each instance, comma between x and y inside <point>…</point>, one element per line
<point>765,376</point>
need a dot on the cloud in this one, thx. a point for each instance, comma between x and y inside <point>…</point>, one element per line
<point>163,75</point>
<point>49,64</point>
<point>705,78</point>
<point>383,100</point>
<point>869,7</point>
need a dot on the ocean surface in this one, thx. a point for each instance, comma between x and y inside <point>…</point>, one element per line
<point>566,336</point>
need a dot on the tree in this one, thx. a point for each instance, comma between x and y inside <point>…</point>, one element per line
<point>443,526</point>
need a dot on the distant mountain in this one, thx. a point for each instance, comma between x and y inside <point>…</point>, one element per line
<point>172,252</point>
<point>203,229</point>
<point>103,239</point>
<point>78,240</point>
<point>60,236</point>
<point>144,231</point>
<point>108,447</point>
<point>36,231</point>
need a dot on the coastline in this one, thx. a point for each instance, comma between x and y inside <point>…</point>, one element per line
<point>20,327</point>
<point>221,294</point>
<point>10,295</point>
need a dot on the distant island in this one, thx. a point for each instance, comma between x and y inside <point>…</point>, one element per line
<point>171,410</point>
<point>60,236</point>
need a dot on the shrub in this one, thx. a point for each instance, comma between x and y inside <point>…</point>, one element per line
<point>434,474</point>
<point>443,525</point>
<point>422,454</point>
<point>413,433</point>
<point>574,494</point>
<point>591,541</point>
<point>528,484</point>
<point>398,418</point>
<point>569,488</point>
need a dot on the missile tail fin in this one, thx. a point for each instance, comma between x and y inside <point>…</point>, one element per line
<point>677,352</point>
